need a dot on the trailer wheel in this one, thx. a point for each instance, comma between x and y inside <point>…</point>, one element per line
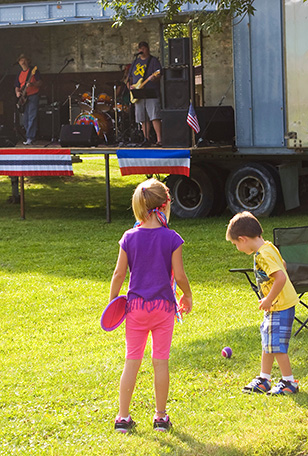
<point>251,188</point>
<point>192,196</point>
<point>279,206</point>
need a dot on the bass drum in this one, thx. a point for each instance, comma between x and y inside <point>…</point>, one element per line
<point>102,123</point>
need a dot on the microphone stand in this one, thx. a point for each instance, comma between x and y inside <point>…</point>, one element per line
<point>130,104</point>
<point>53,139</point>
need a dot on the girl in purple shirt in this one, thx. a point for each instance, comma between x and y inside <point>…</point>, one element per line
<point>153,254</point>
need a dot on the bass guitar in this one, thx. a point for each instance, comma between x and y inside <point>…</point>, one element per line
<point>141,83</point>
<point>22,100</point>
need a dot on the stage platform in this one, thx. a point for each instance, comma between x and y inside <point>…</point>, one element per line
<point>108,150</point>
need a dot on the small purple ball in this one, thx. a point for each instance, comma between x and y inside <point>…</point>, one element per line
<point>226,352</point>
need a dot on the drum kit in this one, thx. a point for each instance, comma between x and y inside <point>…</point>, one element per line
<point>107,115</point>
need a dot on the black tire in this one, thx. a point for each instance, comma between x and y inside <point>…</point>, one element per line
<point>279,206</point>
<point>192,196</point>
<point>252,188</point>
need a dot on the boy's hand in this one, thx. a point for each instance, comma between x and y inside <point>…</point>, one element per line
<point>185,303</point>
<point>265,304</point>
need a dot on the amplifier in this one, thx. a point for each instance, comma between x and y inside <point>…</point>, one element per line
<point>46,116</point>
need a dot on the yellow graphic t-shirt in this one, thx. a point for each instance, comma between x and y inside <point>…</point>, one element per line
<point>268,260</point>
<point>140,70</point>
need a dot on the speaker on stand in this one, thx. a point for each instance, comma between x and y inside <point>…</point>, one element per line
<point>179,51</point>
<point>176,95</point>
<point>176,88</point>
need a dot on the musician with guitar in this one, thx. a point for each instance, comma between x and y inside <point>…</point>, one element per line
<point>27,85</point>
<point>145,72</point>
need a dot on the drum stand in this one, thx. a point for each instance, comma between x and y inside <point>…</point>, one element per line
<point>115,113</point>
<point>93,96</point>
<point>93,106</point>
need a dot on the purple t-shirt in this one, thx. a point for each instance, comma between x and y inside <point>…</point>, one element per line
<point>149,253</point>
<point>140,69</point>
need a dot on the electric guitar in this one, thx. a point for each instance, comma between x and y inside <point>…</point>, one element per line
<point>22,100</point>
<point>141,83</point>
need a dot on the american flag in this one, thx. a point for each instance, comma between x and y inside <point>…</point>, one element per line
<point>192,119</point>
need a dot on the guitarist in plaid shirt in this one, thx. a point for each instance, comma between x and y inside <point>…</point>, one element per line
<point>27,85</point>
<point>147,68</point>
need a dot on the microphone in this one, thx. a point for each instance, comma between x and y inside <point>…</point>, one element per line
<point>138,53</point>
<point>69,61</point>
<point>15,63</point>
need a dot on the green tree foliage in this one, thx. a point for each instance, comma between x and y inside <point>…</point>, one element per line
<point>124,9</point>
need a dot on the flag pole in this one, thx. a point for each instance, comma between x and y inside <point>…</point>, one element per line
<point>191,76</point>
<point>193,135</point>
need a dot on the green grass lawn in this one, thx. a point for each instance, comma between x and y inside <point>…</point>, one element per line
<point>59,372</point>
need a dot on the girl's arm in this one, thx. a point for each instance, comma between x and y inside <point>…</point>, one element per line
<point>118,275</point>
<point>181,280</point>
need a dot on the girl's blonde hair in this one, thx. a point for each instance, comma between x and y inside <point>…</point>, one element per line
<point>150,194</point>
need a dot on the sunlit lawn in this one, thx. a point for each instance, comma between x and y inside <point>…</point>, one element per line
<point>60,372</point>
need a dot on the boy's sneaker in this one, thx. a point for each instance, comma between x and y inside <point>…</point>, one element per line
<point>258,385</point>
<point>123,425</point>
<point>162,424</point>
<point>284,387</point>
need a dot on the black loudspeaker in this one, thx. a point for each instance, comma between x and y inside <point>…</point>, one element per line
<point>176,95</point>
<point>45,122</point>
<point>216,123</point>
<point>7,137</point>
<point>176,88</point>
<point>78,135</point>
<point>175,130</point>
<point>179,51</point>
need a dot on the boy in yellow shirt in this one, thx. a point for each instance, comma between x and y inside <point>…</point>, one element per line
<point>278,302</point>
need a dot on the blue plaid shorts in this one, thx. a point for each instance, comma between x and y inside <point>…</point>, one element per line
<point>276,330</point>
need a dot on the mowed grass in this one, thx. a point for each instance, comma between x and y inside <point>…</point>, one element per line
<point>60,372</point>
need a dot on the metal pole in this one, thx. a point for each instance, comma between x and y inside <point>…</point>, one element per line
<point>107,178</point>
<point>22,198</point>
<point>191,75</point>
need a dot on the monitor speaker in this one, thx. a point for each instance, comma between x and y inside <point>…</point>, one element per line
<point>179,51</point>
<point>175,130</point>
<point>8,137</point>
<point>78,135</point>
<point>216,123</point>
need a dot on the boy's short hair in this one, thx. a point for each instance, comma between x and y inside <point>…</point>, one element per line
<point>243,224</point>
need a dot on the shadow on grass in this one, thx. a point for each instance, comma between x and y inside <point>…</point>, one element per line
<point>77,198</point>
<point>195,447</point>
<point>204,355</point>
<point>301,398</point>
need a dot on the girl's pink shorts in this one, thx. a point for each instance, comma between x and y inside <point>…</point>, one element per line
<point>139,322</point>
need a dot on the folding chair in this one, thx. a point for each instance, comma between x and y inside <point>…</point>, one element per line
<point>293,246</point>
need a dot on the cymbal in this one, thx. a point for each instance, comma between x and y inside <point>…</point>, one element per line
<point>80,83</point>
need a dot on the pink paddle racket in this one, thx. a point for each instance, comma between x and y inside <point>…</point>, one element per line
<point>114,314</point>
